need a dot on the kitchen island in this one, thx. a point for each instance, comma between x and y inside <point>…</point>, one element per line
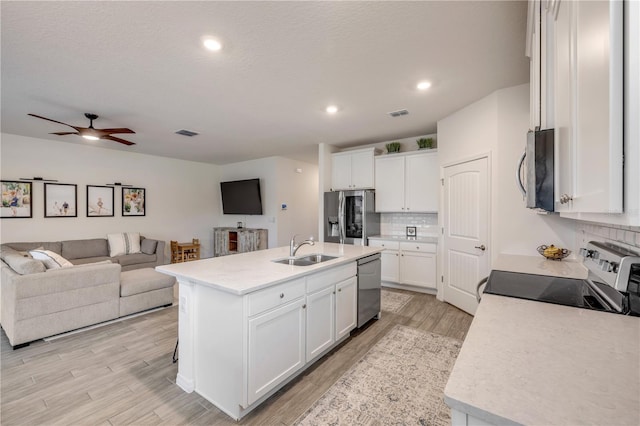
<point>533,363</point>
<point>248,325</point>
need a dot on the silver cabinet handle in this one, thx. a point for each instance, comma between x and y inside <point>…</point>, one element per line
<point>281,295</point>
<point>565,198</point>
<point>482,247</point>
<point>482,281</point>
<point>304,306</point>
<point>339,289</point>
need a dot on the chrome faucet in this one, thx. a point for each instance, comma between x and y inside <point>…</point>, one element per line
<point>293,247</point>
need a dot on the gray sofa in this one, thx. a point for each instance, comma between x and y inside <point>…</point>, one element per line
<point>38,302</point>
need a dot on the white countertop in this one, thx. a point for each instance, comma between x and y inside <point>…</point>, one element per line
<point>534,363</point>
<point>419,239</point>
<point>538,265</point>
<point>247,272</point>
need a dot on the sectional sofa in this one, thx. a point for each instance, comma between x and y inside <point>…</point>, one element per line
<point>37,302</point>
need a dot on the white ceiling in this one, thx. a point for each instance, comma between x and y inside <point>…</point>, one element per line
<point>141,65</point>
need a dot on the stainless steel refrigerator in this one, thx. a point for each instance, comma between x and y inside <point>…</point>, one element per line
<point>350,217</point>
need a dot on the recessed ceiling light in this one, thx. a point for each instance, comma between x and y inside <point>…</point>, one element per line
<point>212,44</point>
<point>332,109</point>
<point>423,85</point>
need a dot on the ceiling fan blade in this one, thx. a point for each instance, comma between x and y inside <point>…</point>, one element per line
<point>113,138</point>
<point>64,133</point>
<point>119,130</point>
<point>59,122</point>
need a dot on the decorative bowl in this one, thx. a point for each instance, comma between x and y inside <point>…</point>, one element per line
<point>553,253</point>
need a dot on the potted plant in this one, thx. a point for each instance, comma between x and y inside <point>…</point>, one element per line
<point>425,143</point>
<point>393,147</point>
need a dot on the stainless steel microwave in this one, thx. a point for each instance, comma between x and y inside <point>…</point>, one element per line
<point>538,161</point>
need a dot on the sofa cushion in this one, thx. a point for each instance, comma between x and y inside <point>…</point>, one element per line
<point>134,259</point>
<point>80,249</point>
<point>24,265</point>
<point>123,243</point>
<point>55,246</point>
<point>148,246</point>
<point>50,259</point>
<point>88,260</point>
<point>143,280</point>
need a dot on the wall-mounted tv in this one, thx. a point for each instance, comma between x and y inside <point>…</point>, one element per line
<point>241,197</point>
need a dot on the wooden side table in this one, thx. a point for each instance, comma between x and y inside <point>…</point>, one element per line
<point>188,252</point>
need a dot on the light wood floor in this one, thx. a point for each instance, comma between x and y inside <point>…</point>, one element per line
<point>122,373</point>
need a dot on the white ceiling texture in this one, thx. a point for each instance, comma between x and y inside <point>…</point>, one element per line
<point>141,65</point>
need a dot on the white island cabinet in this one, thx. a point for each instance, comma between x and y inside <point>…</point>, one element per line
<point>248,325</point>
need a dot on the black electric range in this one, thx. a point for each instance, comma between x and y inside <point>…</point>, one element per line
<point>613,284</point>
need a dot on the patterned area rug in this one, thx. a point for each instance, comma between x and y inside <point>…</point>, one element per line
<point>400,381</point>
<point>393,302</point>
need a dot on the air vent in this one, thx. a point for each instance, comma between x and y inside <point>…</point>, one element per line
<point>399,113</point>
<point>189,133</point>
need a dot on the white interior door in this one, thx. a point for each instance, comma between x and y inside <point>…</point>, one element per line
<point>466,231</point>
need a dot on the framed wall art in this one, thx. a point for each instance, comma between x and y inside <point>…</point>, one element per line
<point>60,200</point>
<point>133,202</point>
<point>16,199</point>
<point>99,201</point>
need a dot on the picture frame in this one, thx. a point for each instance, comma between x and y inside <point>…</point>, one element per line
<point>60,200</point>
<point>411,231</point>
<point>134,202</point>
<point>100,201</point>
<point>17,199</point>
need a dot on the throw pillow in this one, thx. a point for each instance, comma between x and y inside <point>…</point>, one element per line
<point>24,265</point>
<point>102,262</point>
<point>124,243</point>
<point>50,259</point>
<point>148,246</point>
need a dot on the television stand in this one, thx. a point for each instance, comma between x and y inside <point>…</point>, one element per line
<point>238,240</point>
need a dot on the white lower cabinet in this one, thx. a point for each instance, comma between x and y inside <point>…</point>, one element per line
<point>346,307</point>
<point>320,321</point>
<point>410,263</point>
<point>276,347</point>
<point>294,323</point>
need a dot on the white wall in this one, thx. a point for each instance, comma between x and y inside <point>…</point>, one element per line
<point>497,125</point>
<point>280,183</point>
<point>182,197</point>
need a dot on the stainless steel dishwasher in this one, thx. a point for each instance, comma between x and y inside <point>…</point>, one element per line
<point>369,287</point>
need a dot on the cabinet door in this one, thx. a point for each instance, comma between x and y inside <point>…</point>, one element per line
<point>320,321</point>
<point>418,269</point>
<point>389,178</point>
<point>564,92</point>
<point>588,106</point>
<point>598,133</point>
<point>341,171</point>
<point>390,266</point>
<point>362,170</point>
<point>276,347</point>
<point>421,183</point>
<point>346,306</point>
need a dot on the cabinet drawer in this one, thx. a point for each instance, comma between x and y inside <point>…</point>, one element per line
<point>280,294</point>
<point>390,245</point>
<point>424,247</point>
<point>323,279</point>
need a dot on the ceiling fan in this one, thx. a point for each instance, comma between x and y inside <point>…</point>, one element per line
<point>90,132</point>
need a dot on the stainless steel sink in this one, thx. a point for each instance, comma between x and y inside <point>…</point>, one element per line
<point>308,260</point>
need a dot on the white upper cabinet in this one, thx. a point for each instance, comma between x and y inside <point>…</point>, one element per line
<point>407,183</point>
<point>352,169</point>
<point>587,61</point>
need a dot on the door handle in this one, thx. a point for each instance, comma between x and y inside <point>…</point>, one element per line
<point>482,247</point>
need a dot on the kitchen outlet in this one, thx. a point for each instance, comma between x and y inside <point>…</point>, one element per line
<point>283,206</point>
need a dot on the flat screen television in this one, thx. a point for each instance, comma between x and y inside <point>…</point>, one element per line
<point>241,197</point>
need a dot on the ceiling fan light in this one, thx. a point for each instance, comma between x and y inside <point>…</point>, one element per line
<point>91,137</point>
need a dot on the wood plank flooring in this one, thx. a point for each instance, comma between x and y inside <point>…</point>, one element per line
<point>122,373</point>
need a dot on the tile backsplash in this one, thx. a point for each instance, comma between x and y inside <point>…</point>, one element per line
<point>625,236</point>
<point>396,223</point>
